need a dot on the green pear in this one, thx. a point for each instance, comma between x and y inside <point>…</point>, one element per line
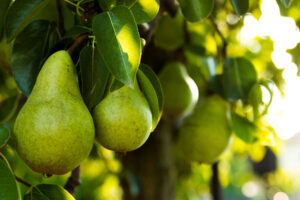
<point>54,131</point>
<point>123,119</point>
<point>206,133</point>
<point>180,91</point>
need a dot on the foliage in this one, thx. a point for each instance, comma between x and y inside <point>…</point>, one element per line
<point>109,42</point>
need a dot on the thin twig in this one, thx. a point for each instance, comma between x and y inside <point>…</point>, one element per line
<point>61,17</point>
<point>224,47</point>
<point>77,42</point>
<point>73,181</point>
<point>22,181</point>
<point>215,183</point>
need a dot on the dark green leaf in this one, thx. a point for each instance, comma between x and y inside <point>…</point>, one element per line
<point>4,136</point>
<point>19,12</point>
<point>195,10</point>
<point>3,10</point>
<point>151,88</point>
<point>94,75</point>
<point>76,31</point>
<point>145,10</point>
<point>243,128</point>
<point>8,108</point>
<point>29,52</point>
<point>119,43</point>
<point>9,189</point>
<point>169,34</point>
<point>240,6</point>
<point>239,76</point>
<point>107,4</point>
<point>48,192</point>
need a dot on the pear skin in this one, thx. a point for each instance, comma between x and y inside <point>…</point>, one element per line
<point>54,131</point>
<point>123,120</point>
<point>206,133</point>
<point>180,91</point>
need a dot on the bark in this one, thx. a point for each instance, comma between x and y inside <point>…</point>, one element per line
<point>149,172</point>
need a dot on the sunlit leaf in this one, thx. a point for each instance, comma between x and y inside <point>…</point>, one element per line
<point>119,43</point>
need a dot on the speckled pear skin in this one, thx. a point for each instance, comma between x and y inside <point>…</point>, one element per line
<point>206,133</point>
<point>180,91</point>
<point>123,120</point>
<point>54,130</point>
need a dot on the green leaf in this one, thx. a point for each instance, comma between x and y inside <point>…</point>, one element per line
<point>151,88</point>
<point>243,128</point>
<point>240,6</point>
<point>295,52</point>
<point>239,76</point>
<point>8,108</point>
<point>107,4</point>
<point>4,136</point>
<point>48,192</point>
<point>145,10</point>
<point>3,10</point>
<point>76,31</point>
<point>169,34</point>
<point>94,75</point>
<point>9,189</point>
<point>195,10</point>
<point>19,12</point>
<point>119,43</point>
<point>255,99</point>
<point>29,52</point>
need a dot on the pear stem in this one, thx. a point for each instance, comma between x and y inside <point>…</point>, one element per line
<point>22,181</point>
<point>77,42</point>
<point>73,181</point>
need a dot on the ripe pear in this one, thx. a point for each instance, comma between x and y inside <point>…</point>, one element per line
<point>54,131</point>
<point>180,91</point>
<point>206,133</point>
<point>123,119</point>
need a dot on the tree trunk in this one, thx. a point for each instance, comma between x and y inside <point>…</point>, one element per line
<point>149,172</point>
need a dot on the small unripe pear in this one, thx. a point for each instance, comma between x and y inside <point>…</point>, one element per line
<point>54,130</point>
<point>180,91</point>
<point>206,133</point>
<point>123,120</point>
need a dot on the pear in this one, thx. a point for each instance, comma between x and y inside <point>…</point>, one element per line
<point>180,91</point>
<point>206,133</point>
<point>54,131</point>
<point>123,119</point>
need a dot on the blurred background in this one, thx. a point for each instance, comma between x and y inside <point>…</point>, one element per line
<point>269,169</point>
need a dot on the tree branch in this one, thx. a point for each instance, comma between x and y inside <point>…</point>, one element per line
<point>61,25</point>
<point>73,181</point>
<point>215,183</point>
<point>224,47</point>
<point>77,42</point>
<point>22,181</point>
